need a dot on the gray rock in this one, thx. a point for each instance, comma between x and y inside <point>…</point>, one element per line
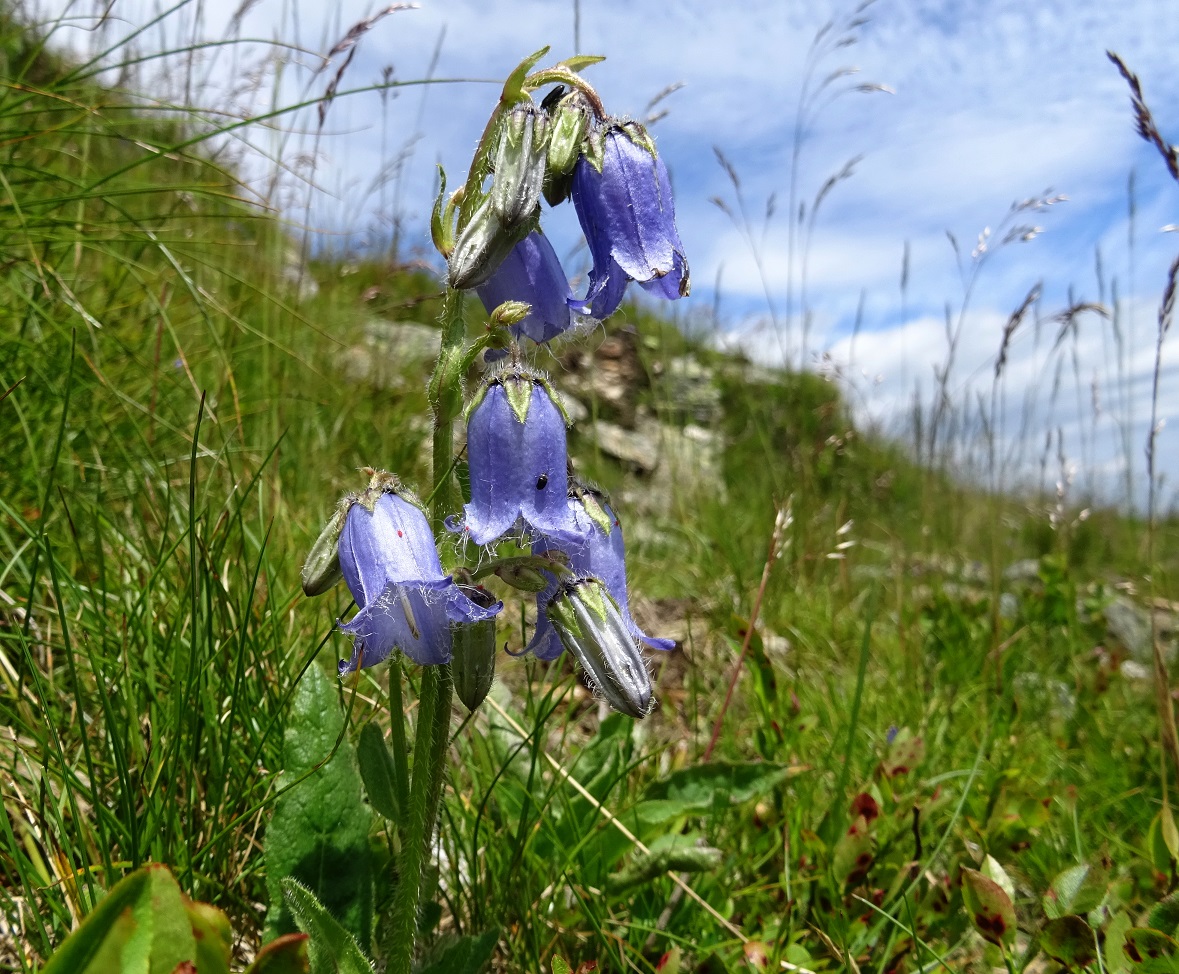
<point>1129,624</point>
<point>392,355</point>
<point>1039,690</point>
<point>610,376</point>
<point>1131,669</point>
<point>689,391</point>
<point>1022,572</point>
<point>637,449</point>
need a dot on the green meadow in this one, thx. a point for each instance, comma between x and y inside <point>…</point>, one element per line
<point>913,722</point>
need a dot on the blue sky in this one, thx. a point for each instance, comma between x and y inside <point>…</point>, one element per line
<point>990,103</point>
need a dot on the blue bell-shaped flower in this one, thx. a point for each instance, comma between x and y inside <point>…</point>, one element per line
<point>517,462</point>
<point>532,273</point>
<point>624,203</point>
<point>601,555</point>
<point>388,559</point>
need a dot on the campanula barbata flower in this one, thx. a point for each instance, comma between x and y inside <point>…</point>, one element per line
<point>601,555</point>
<point>517,462</point>
<point>532,273</point>
<point>387,557</point>
<point>624,203</point>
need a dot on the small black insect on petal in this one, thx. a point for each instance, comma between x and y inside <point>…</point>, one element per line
<point>542,481</point>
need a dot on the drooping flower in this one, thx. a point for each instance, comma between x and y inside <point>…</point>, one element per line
<point>589,624</point>
<point>532,273</point>
<point>517,461</point>
<point>388,559</point>
<point>624,203</point>
<point>601,555</point>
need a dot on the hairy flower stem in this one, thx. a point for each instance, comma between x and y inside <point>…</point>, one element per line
<point>430,744</point>
<point>445,393</point>
<point>432,739</point>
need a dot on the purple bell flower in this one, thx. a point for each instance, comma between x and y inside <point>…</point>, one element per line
<point>628,216</point>
<point>602,556</point>
<point>532,273</point>
<point>517,462</point>
<point>388,559</point>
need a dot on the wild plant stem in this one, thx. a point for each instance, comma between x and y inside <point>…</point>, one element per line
<point>445,393</point>
<point>432,739</point>
<point>781,522</point>
<point>433,722</point>
<point>1168,731</point>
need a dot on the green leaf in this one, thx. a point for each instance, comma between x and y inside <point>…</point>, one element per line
<point>720,784</point>
<point>1076,890</point>
<point>333,950</point>
<point>1159,840</point>
<point>905,753</point>
<point>992,870</point>
<point>286,955</point>
<point>214,937</point>
<point>467,955</point>
<point>852,854</point>
<point>1151,951</point>
<point>1164,915</point>
<point>1069,941</point>
<point>514,85</point>
<point>318,834</point>
<point>675,852</point>
<point>1169,832</point>
<point>139,927</point>
<point>579,62</point>
<point>1112,951</point>
<point>561,966</point>
<point>376,770</point>
<point>991,910</point>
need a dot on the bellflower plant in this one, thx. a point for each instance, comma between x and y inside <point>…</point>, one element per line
<point>388,559</point>
<point>531,273</point>
<point>624,203</point>
<point>602,556</point>
<point>517,461</point>
<point>413,584</point>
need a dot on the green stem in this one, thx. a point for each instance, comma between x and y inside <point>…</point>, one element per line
<point>439,748</point>
<point>446,397</point>
<point>432,739</point>
<point>416,843</point>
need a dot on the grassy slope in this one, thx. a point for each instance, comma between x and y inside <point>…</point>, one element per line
<point>174,435</point>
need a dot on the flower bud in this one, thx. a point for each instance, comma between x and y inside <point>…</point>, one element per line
<point>569,127</point>
<point>508,313</point>
<point>519,164</point>
<point>322,569</point>
<point>473,646</point>
<point>480,248</point>
<point>591,627</point>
